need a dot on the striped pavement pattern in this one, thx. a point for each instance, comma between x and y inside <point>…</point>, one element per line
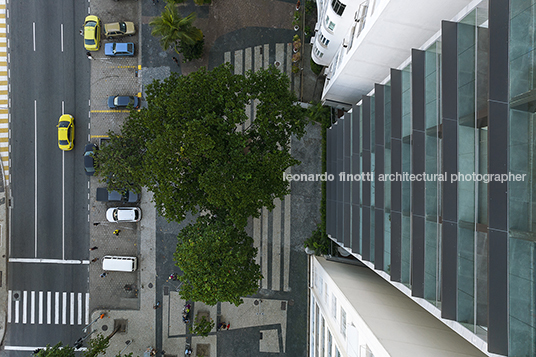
<point>271,231</point>
<point>48,307</point>
<point>4,113</point>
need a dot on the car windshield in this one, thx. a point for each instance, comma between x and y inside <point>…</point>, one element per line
<point>90,42</point>
<point>91,24</point>
<point>115,215</point>
<point>123,27</point>
<point>64,142</point>
<point>63,124</point>
<point>117,101</point>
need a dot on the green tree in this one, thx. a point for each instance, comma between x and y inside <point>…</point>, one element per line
<point>58,350</point>
<point>195,149</point>
<point>173,28</point>
<point>217,260</point>
<point>98,345</point>
<point>191,52</point>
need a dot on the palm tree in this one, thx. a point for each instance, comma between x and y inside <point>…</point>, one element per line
<point>173,28</point>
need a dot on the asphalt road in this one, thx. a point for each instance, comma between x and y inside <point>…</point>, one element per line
<point>49,76</point>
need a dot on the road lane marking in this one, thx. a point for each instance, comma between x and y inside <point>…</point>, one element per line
<point>72,308</point>
<point>9,299</point>
<point>32,307</point>
<point>87,308</point>
<point>33,348</point>
<point>80,308</point>
<point>35,173</point>
<point>57,307</point>
<point>49,307</point>
<point>17,304</point>
<point>24,307</point>
<point>34,36</point>
<point>47,261</point>
<point>64,309</point>
<point>40,308</point>
<point>61,37</point>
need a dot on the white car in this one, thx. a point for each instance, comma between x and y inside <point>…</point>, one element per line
<point>123,214</point>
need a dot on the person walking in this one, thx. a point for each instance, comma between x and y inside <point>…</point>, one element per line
<point>93,248</point>
<point>157,305</point>
<point>103,275</point>
<point>94,260</point>
<point>116,232</point>
<point>96,224</point>
<point>176,61</point>
<point>89,56</point>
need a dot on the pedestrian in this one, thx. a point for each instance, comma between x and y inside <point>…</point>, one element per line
<point>89,56</point>
<point>221,325</point>
<point>116,232</point>
<point>81,32</point>
<point>228,325</point>
<point>176,61</point>
<point>94,260</point>
<point>157,305</point>
<point>96,224</point>
<point>103,275</point>
<point>93,248</point>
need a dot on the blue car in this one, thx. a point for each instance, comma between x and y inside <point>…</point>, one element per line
<point>119,49</point>
<point>122,101</point>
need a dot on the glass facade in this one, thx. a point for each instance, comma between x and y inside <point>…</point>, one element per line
<point>487,281</point>
<point>522,238</point>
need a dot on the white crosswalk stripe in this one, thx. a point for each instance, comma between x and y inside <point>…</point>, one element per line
<point>28,307</point>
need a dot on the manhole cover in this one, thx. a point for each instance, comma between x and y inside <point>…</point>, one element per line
<point>291,302</point>
<point>16,295</point>
<point>256,302</point>
<point>150,285</point>
<point>104,327</point>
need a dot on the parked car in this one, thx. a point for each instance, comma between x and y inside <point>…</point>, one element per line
<point>66,132</point>
<point>121,28</point>
<point>89,162</point>
<point>103,195</point>
<point>123,214</point>
<point>122,101</point>
<point>119,49</point>
<point>92,27</point>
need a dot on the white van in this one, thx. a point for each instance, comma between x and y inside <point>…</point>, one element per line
<point>115,263</point>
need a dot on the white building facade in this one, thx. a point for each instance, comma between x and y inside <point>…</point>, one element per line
<point>369,37</point>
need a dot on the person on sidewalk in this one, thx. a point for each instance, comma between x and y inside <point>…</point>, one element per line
<point>96,224</point>
<point>157,305</point>
<point>94,260</point>
<point>103,275</point>
<point>176,61</point>
<point>89,56</point>
<point>93,248</point>
<point>116,232</point>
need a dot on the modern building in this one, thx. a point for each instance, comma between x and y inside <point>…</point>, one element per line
<point>433,175</point>
<point>360,40</point>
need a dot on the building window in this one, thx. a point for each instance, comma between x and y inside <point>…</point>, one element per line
<point>330,342</point>
<point>337,352</point>
<point>338,7</point>
<point>324,40</point>
<point>318,54</point>
<point>334,307</point>
<point>330,24</point>
<point>343,323</point>
<point>322,339</point>
<point>326,294</point>
<point>321,285</point>
<point>317,329</point>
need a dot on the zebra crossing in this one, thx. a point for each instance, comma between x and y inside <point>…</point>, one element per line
<point>271,231</point>
<point>48,307</point>
<point>4,115</point>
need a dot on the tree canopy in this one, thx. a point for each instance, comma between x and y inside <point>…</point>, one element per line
<point>195,149</point>
<point>217,260</point>
<point>173,29</point>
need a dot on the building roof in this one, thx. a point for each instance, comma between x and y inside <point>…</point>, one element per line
<point>402,326</point>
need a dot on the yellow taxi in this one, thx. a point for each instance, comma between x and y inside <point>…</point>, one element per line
<point>92,27</point>
<point>66,132</point>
